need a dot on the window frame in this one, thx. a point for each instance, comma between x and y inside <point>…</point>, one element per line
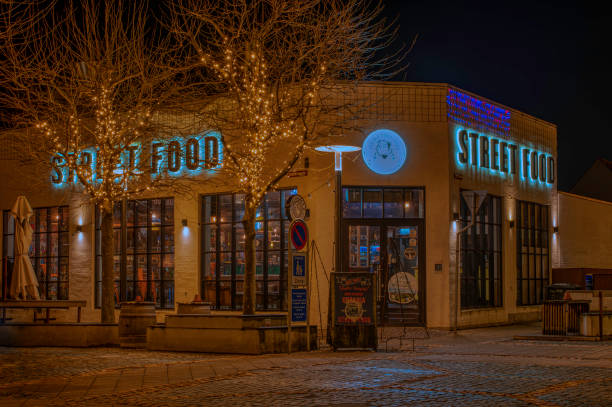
<point>63,233</point>
<point>207,285</point>
<point>479,251</point>
<point>346,189</point>
<point>121,250</point>
<point>538,236</point>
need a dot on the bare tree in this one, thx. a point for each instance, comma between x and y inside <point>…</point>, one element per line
<point>85,87</point>
<point>286,75</point>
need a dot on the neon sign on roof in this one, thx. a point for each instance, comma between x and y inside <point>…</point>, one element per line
<point>475,113</point>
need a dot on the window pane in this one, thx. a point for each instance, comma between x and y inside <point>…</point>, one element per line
<point>54,219</point>
<point>168,234</point>
<point>155,238</point>
<point>140,207</point>
<point>372,203</point>
<point>394,203</point>
<point>209,261</point>
<point>155,212</point>
<point>209,209</point>
<point>414,205</point>
<point>168,211</point>
<point>238,207</point>
<point>225,235</point>
<point>273,204</point>
<point>351,202</point>
<point>225,204</point>
<point>155,267</point>
<point>168,267</point>
<point>274,233</point>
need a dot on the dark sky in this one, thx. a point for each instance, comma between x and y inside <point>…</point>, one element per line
<point>545,58</point>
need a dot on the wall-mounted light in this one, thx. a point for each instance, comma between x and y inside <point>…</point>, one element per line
<point>455,216</point>
<point>511,223</point>
<point>78,228</point>
<point>184,222</point>
<point>555,229</point>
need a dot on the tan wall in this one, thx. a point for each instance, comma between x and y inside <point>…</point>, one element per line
<point>585,233</point>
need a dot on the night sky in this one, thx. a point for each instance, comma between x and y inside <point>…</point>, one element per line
<point>544,58</point>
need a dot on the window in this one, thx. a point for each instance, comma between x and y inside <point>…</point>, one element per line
<point>388,203</point>
<point>48,250</point>
<point>481,255</point>
<point>143,251</point>
<point>222,250</point>
<point>532,252</point>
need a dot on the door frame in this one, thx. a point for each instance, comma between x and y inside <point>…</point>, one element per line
<point>383,224</point>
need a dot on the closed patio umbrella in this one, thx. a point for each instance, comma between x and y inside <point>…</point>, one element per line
<point>23,281</point>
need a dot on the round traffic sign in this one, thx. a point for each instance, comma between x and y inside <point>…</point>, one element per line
<point>299,234</point>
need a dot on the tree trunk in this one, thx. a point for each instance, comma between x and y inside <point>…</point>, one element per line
<point>248,222</point>
<point>108,296</point>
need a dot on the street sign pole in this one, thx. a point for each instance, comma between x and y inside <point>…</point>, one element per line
<point>289,291</point>
<point>298,283</point>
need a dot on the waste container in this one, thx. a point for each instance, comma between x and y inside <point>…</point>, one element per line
<point>557,291</point>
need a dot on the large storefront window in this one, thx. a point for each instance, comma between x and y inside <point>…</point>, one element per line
<point>222,250</point>
<point>481,255</point>
<point>532,252</point>
<point>48,250</point>
<point>143,251</point>
<point>387,203</point>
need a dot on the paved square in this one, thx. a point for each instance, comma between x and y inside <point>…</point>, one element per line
<point>481,367</point>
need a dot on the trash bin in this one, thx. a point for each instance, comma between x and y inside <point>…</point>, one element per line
<point>557,291</point>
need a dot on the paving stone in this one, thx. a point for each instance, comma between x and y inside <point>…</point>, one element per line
<point>472,368</point>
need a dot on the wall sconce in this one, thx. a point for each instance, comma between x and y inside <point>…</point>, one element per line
<point>78,229</point>
<point>455,216</point>
<point>555,229</point>
<point>184,222</point>
<point>511,223</point>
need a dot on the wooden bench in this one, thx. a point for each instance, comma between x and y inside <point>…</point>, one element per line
<point>42,304</point>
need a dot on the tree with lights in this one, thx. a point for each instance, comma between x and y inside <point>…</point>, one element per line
<point>287,73</point>
<point>83,87</point>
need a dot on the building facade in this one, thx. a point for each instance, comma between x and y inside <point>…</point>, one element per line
<point>445,257</point>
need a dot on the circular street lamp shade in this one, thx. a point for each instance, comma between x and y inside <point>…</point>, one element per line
<point>337,149</point>
<point>384,151</point>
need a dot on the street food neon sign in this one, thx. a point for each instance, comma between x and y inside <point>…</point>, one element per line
<point>504,158</point>
<point>176,157</point>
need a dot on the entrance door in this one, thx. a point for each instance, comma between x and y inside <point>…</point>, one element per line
<point>394,250</point>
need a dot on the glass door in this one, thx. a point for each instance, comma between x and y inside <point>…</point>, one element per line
<point>401,277</point>
<point>395,251</point>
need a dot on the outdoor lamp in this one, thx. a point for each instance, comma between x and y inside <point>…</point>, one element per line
<point>338,150</point>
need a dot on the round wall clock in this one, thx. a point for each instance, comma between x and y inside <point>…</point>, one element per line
<point>384,151</point>
<point>296,207</point>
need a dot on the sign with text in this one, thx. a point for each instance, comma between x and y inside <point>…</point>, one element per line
<point>299,302</point>
<point>298,270</point>
<point>503,158</point>
<point>354,299</point>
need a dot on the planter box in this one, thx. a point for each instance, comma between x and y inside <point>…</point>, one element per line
<point>589,324</point>
<point>61,334</point>
<point>240,334</point>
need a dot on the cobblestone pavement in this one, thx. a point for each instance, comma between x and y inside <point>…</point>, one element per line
<point>483,367</point>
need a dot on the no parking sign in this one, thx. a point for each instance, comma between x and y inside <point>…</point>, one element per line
<point>299,234</point>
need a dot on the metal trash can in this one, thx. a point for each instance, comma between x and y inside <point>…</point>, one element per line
<point>557,291</point>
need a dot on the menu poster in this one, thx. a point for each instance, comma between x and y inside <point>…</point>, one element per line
<point>354,300</point>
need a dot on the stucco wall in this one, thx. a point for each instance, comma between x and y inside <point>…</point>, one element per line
<point>585,233</point>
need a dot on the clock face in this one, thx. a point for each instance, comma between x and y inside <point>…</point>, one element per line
<point>297,207</point>
<point>384,151</point>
